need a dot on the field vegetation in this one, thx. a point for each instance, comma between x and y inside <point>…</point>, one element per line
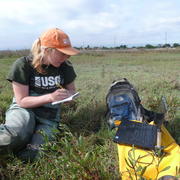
<point>84,148</point>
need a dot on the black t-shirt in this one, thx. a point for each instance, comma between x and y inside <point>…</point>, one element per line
<point>23,72</point>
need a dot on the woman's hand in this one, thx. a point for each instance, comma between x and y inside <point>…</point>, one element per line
<point>60,94</point>
<point>23,99</point>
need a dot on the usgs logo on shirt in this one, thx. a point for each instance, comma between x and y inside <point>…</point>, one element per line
<point>49,81</point>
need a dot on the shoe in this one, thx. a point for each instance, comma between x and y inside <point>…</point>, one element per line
<point>29,154</point>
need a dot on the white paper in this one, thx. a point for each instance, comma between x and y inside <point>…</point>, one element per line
<point>70,98</point>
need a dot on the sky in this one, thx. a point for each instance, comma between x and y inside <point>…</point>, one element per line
<point>90,22</point>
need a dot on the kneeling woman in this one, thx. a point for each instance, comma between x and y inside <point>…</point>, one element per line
<point>34,81</point>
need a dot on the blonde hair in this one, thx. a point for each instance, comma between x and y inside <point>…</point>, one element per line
<point>38,53</point>
<point>68,63</point>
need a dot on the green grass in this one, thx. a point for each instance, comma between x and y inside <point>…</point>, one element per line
<point>84,147</point>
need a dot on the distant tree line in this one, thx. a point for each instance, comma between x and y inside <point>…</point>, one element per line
<point>14,53</point>
<point>147,46</point>
<point>25,52</point>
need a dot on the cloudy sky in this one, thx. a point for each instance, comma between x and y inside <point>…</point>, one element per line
<point>90,22</point>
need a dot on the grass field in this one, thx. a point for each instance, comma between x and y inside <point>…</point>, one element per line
<point>84,147</point>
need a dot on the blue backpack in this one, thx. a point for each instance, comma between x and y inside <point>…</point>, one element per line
<point>124,104</point>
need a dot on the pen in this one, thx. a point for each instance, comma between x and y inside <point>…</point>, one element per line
<point>59,86</point>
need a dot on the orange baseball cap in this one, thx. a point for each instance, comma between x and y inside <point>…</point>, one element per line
<point>56,38</point>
